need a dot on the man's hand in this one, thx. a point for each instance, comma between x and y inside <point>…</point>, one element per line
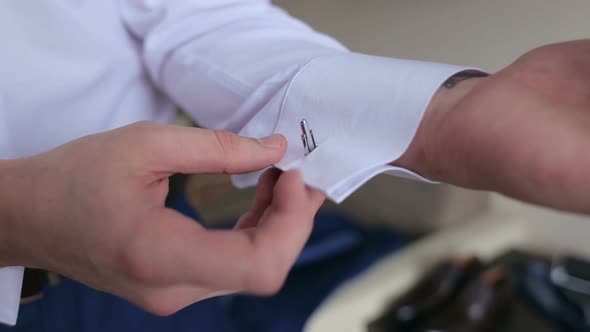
<point>524,131</point>
<point>93,210</point>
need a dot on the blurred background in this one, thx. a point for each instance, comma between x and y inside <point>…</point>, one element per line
<point>485,34</point>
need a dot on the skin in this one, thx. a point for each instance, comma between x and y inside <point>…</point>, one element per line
<point>523,132</point>
<point>93,209</point>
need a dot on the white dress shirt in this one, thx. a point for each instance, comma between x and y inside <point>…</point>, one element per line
<point>70,68</point>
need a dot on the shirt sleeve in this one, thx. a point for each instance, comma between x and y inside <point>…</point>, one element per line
<point>10,286</point>
<point>248,67</point>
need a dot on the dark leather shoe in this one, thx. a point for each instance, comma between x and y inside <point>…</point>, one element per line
<point>534,283</point>
<point>482,307</point>
<point>435,290</point>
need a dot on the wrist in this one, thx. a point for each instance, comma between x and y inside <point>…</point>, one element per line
<point>10,189</point>
<point>427,155</point>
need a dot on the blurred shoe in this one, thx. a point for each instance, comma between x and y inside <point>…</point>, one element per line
<point>534,283</point>
<point>482,307</point>
<point>434,291</point>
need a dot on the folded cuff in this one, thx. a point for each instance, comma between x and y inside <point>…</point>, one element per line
<point>364,112</point>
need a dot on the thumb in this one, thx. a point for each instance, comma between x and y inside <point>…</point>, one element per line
<point>194,150</point>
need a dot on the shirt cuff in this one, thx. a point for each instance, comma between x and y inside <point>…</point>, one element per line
<point>11,279</point>
<point>364,112</point>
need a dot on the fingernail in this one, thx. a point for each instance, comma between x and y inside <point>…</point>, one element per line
<point>272,141</point>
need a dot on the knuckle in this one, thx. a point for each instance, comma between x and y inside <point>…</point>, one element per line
<point>146,133</point>
<point>132,137</point>
<point>227,146</point>
<point>265,278</point>
<point>227,141</point>
<point>145,125</point>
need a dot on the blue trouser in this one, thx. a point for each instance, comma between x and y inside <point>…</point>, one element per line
<point>337,251</point>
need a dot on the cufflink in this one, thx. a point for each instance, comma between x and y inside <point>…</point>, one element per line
<point>307,138</point>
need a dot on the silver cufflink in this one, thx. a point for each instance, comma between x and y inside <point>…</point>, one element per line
<point>307,138</point>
